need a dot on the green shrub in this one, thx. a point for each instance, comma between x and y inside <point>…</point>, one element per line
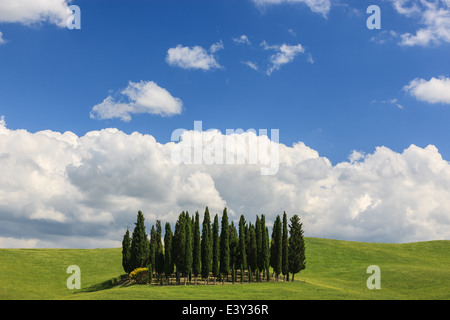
<point>140,275</point>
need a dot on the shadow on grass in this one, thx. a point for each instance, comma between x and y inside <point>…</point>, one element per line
<point>105,285</point>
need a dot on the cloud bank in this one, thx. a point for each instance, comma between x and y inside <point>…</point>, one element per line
<point>61,190</point>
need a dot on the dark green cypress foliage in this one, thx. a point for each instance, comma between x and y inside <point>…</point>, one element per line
<point>168,261</point>
<point>267,255</point>
<point>196,259</point>
<point>179,245</point>
<point>216,248</point>
<point>225,246</point>
<point>139,251</point>
<point>265,246</point>
<point>252,254</point>
<point>242,248</point>
<point>234,246</point>
<point>296,247</point>
<point>278,248</point>
<point>259,255</point>
<point>188,250</point>
<point>126,252</point>
<point>159,257</point>
<point>206,246</point>
<point>285,244</point>
<point>152,249</point>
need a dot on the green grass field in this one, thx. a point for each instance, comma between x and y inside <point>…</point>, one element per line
<point>335,270</point>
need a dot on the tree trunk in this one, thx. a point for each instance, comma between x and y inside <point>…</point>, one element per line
<point>292,277</point>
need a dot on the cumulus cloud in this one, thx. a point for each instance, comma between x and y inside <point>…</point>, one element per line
<point>138,97</point>
<point>318,6</point>
<point>284,55</point>
<point>28,12</point>
<point>194,57</point>
<point>62,190</point>
<point>2,41</point>
<point>434,18</point>
<point>243,39</point>
<point>435,90</point>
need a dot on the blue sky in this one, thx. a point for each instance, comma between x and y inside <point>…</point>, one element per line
<point>51,77</point>
<point>362,115</point>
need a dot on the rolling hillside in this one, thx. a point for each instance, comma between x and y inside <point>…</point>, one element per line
<point>335,270</point>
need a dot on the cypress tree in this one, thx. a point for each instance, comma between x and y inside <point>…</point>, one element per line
<point>188,250</point>
<point>126,252</point>
<point>277,251</point>
<point>168,261</point>
<point>152,249</point>
<point>159,256</point>
<point>139,251</point>
<point>179,245</point>
<point>284,258</point>
<point>252,254</point>
<point>242,249</point>
<point>224,246</point>
<point>234,247</point>
<point>296,254</point>
<point>196,259</point>
<point>267,255</point>
<point>216,248</point>
<point>259,255</point>
<point>206,246</point>
<point>265,246</point>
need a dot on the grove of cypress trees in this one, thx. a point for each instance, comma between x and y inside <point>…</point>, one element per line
<point>224,246</point>
<point>126,252</point>
<point>139,251</point>
<point>206,246</point>
<point>296,247</point>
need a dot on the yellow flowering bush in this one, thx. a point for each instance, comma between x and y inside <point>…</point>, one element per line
<point>140,275</point>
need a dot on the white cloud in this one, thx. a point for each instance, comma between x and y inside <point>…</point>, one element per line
<point>28,12</point>
<point>138,97</point>
<point>434,19</point>
<point>243,39</point>
<point>435,90</point>
<point>194,57</point>
<point>2,41</point>
<point>285,54</point>
<point>393,101</point>
<point>61,190</point>
<point>318,6</point>
<point>251,65</point>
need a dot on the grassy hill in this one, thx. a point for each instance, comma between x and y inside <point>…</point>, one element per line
<point>335,270</point>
